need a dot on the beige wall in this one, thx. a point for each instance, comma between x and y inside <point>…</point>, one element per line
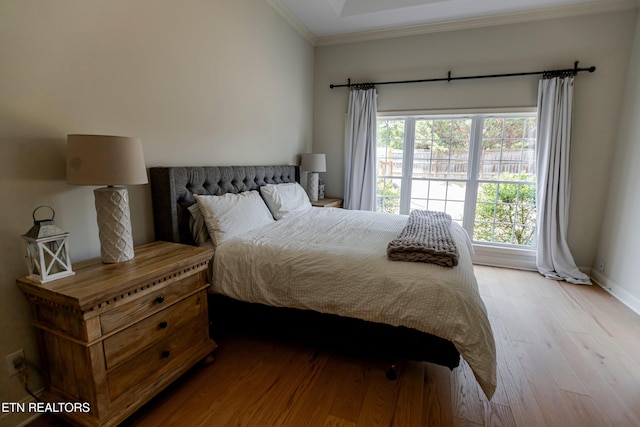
<point>619,246</point>
<point>199,81</point>
<point>206,82</point>
<point>600,40</point>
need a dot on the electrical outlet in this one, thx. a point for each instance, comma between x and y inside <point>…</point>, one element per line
<point>601,266</point>
<point>11,362</point>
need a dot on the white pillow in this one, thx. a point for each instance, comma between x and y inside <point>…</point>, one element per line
<point>231,214</point>
<point>285,199</point>
<point>197,225</point>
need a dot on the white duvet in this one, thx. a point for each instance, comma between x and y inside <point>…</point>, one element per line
<point>334,261</point>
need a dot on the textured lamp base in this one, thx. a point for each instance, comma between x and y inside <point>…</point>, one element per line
<point>312,186</point>
<point>114,224</point>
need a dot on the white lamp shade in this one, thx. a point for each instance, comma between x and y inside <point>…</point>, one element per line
<point>111,161</point>
<point>105,160</point>
<point>313,162</point>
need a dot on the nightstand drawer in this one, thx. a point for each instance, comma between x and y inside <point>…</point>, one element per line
<point>123,345</point>
<point>150,303</point>
<point>156,361</point>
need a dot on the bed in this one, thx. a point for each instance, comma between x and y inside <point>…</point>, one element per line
<point>322,274</point>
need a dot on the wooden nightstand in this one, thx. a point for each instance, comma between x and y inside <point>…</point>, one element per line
<point>114,335</point>
<point>328,203</point>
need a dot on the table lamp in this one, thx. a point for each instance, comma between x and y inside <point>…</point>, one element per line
<point>313,163</point>
<point>112,161</point>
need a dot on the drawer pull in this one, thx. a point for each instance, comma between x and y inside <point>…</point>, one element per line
<point>163,325</point>
<point>165,354</point>
<point>159,300</point>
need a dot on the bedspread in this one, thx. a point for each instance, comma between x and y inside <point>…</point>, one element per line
<point>334,261</point>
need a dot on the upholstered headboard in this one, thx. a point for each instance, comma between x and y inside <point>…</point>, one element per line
<point>172,190</point>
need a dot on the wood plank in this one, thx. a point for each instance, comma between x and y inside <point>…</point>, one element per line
<point>465,398</point>
<point>550,338</point>
<point>408,411</point>
<point>352,391</point>
<point>569,313</point>
<point>619,371</point>
<point>549,397</point>
<point>437,397</point>
<point>242,403</point>
<point>283,398</point>
<point>332,421</point>
<point>314,410</point>
<point>300,395</point>
<point>522,402</point>
<point>517,326</point>
<point>380,400</point>
<point>583,410</point>
<point>497,415</point>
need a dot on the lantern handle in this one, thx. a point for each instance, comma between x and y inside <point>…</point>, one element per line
<point>53,213</point>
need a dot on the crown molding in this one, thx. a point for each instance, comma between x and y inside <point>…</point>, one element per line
<point>293,20</point>
<point>595,7</point>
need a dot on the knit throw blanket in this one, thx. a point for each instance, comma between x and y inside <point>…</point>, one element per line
<point>426,238</point>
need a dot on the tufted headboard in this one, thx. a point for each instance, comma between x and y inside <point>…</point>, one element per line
<point>172,190</point>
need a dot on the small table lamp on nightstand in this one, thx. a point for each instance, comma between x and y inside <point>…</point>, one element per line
<point>113,161</point>
<point>313,163</point>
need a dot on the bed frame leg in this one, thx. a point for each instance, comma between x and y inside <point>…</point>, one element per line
<point>392,373</point>
<point>209,359</point>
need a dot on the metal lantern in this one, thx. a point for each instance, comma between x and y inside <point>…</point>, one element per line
<point>47,250</point>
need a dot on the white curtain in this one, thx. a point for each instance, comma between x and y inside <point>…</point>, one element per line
<point>360,150</point>
<point>555,103</point>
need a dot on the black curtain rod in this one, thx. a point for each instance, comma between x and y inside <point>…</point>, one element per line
<point>575,70</point>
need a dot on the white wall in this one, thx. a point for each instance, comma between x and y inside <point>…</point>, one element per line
<point>201,82</point>
<point>601,40</point>
<point>619,246</point>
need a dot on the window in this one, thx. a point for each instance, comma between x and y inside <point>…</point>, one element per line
<point>478,168</point>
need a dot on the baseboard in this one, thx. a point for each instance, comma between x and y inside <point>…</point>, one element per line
<point>494,256</point>
<point>618,292</point>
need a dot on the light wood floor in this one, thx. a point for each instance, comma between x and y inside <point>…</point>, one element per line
<point>568,355</point>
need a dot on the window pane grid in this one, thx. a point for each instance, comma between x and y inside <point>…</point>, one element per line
<point>440,165</point>
<point>444,195</point>
<point>390,145</point>
<point>439,172</point>
<point>441,148</point>
<point>388,195</point>
<point>508,148</point>
<point>505,207</point>
<point>508,209</point>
